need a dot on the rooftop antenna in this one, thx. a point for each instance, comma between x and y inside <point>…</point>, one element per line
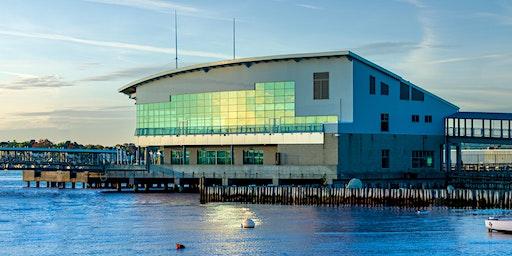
<point>234,52</point>
<point>176,37</point>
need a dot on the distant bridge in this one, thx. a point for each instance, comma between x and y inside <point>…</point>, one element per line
<point>73,160</point>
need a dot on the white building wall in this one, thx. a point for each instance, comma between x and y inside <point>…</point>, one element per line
<point>240,77</point>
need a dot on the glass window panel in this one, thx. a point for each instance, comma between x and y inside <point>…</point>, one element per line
<point>259,86</point>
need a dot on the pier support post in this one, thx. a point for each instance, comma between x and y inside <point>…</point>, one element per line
<point>146,187</point>
<point>73,185</point>
<point>177,183</point>
<point>135,187</point>
<point>28,184</point>
<point>166,186</point>
<point>37,184</point>
<point>225,181</point>
<point>448,157</point>
<point>47,184</point>
<point>458,149</point>
<point>118,187</point>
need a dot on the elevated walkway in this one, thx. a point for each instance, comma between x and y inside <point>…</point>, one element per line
<point>474,128</point>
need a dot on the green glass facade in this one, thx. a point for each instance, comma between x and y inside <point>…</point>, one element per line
<point>270,107</point>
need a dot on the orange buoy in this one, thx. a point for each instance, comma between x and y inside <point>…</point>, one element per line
<point>179,246</point>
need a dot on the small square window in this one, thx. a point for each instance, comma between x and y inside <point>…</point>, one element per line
<point>321,85</point>
<point>384,89</point>
<point>372,85</point>
<point>404,91</point>
<point>384,122</point>
<point>428,119</point>
<point>385,158</point>
<point>415,118</point>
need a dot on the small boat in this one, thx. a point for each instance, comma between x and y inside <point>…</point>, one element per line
<point>498,224</point>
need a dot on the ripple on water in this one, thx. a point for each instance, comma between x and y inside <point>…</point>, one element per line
<point>49,222</point>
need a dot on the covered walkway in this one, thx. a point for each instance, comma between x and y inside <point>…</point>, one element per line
<point>475,128</point>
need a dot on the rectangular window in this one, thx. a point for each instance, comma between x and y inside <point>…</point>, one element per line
<point>211,157</point>
<point>253,156</point>
<point>428,119</point>
<point>415,118</point>
<point>422,159</point>
<point>384,89</point>
<point>177,157</point>
<point>384,122</point>
<point>417,95</point>
<point>321,85</point>
<point>372,85</point>
<point>385,158</point>
<point>404,91</point>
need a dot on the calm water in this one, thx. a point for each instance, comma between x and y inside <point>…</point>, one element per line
<point>88,222</point>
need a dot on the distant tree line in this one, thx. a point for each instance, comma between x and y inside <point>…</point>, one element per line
<point>130,148</point>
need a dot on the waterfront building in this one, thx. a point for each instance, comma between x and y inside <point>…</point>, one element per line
<point>291,119</point>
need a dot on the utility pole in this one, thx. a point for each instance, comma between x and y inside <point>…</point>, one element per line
<point>176,37</point>
<point>234,42</point>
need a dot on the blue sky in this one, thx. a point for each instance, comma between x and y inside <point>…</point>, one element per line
<point>62,61</point>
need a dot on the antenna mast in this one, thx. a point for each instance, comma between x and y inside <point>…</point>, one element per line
<point>234,52</point>
<point>176,37</point>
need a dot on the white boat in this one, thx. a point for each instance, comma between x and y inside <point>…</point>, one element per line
<point>497,224</point>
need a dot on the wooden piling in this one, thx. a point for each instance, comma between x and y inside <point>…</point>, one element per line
<point>285,195</point>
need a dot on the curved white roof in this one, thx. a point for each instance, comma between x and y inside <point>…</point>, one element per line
<point>131,87</point>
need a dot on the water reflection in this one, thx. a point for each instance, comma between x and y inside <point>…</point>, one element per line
<point>88,222</point>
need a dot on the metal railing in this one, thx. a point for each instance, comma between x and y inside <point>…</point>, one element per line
<point>247,129</point>
<point>478,132</point>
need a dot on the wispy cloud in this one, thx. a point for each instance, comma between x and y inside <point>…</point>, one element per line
<point>29,81</point>
<point>112,44</point>
<point>26,82</point>
<point>500,18</point>
<point>164,7</point>
<point>393,47</point>
<point>472,58</point>
<point>154,5</point>
<point>416,3</point>
<point>91,114</point>
<point>124,73</point>
<point>416,61</point>
<point>308,6</point>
